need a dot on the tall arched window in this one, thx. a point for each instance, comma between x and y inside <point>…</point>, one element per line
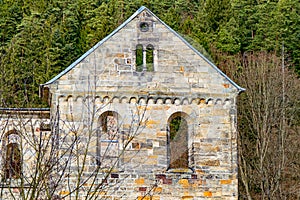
<point>108,139</point>
<point>150,58</point>
<point>178,141</point>
<point>13,157</point>
<point>139,57</point>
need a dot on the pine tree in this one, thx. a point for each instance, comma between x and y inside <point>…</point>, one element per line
<point>288,30</point>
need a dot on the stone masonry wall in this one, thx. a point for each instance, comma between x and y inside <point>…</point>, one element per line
<point>110,122</point>
<point>27,125</point>
<point>143,169</point>
<point>181,82</point>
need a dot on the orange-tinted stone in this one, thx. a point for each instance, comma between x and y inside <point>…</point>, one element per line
<point>202,101</point>
<point>140,181</point>
<point>212,163</point>
<point>207,194</point>
<point>64,192</point>
<point>161,134</point>
<point>225,182</point>
<point>181,68</point>
<point>199,171</point>
<point>226,85</point>
<point>142,108</point>
<point>149,123</point>
<point>187,197</point>
<point>120,55</point>
<point>157,189</point>
<point>184,182</point>
<point>167,107</point>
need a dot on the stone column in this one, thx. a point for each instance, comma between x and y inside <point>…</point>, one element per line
<point>155,60</point>
<point>144,59</point>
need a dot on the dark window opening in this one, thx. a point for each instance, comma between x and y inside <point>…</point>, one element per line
<point>12,161</point>
<point>178,142</point>
<point>45,127</point>
<point>139,58</point>
<point>13,157</point>
<point>144,26</point>
<point>149,58</point>
<point>109,125</point>
<point>108,140</point>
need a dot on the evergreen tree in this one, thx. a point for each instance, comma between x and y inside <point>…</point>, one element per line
<point>11,15</point>
<point>244,11</point>
<point>228,39</point>
<point>288,30</point>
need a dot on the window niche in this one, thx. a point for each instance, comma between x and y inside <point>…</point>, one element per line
<point>178,141</point>
<point>12,156</point>
<point>108,139</point>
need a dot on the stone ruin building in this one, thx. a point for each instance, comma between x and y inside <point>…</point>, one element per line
<point>142,113</point>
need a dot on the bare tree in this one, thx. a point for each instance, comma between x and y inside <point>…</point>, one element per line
<point>68,155</point>
<point>268,125</point>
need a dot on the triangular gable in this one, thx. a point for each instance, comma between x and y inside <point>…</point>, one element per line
<point>140,10</point>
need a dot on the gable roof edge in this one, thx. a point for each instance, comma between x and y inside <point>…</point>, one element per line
<point>240,89</point>
<point>142,8</point>
<point>70,67</point>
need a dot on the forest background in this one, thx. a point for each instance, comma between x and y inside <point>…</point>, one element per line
<point>255,42</point>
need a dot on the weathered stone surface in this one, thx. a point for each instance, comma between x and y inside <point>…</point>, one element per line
<point>135,147</point>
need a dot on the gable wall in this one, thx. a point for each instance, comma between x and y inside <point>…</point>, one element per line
<point>182,82</point>
<point>177,67</point>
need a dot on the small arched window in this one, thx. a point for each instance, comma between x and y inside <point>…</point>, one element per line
<point>139,57</point>
<point>108,139</point>
<point>109,125</point>
<point>178,141</point>
<point>13,156</point>
<point>150,58</point>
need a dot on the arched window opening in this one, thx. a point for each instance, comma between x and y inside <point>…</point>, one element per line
<point>139,58</point>
<point>178,141</point>
<point>149,58</point>
<point>108,140</point>
<point>13,157</point>
<point>109,125</point>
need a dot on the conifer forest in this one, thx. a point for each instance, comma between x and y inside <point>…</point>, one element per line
<point>255,42</point>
